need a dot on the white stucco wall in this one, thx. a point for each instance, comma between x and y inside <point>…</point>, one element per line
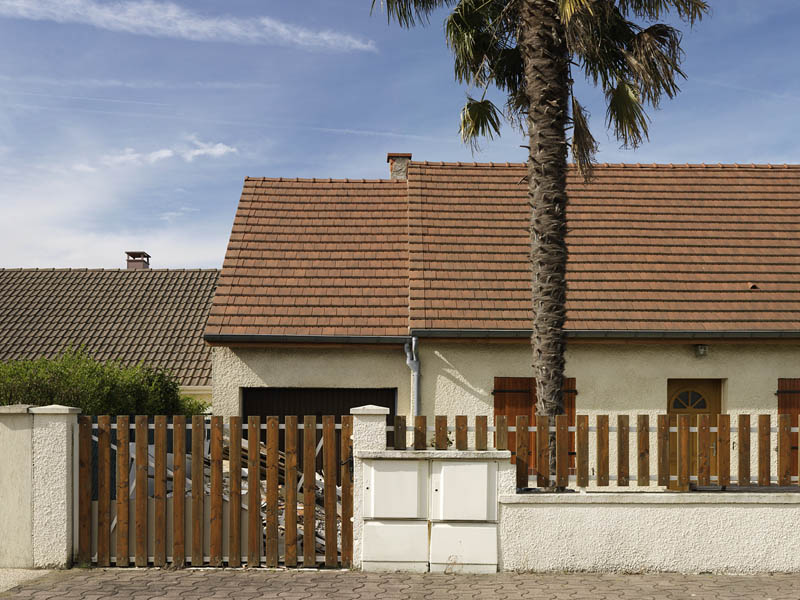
<point>377,367</point>
<point>16,482</point>
<point>685,533</point>
<point>457,378</point>
<point>52,485</point>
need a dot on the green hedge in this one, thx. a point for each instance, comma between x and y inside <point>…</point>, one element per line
<point>97,388</point>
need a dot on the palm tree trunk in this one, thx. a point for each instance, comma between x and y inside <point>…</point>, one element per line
<point>546,63</point>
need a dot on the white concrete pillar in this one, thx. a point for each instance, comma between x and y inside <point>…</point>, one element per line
<point>16,484</point>
<point>52,489</point>
<point>369,433</point>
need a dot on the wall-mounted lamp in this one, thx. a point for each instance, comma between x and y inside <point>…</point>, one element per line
<point>700,350</point>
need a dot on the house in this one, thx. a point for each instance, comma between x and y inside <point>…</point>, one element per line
<point>413,292</point>
<point>132,315</point>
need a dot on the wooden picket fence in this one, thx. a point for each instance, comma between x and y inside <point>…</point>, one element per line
<point>182,507</point>
<point>696,459</point>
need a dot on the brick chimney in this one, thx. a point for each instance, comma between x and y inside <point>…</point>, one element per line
<point>398,165</point>
<point>138,260</point>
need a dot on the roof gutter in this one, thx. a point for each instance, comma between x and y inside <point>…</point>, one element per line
<point>313,339</point>
<point>606,333</point>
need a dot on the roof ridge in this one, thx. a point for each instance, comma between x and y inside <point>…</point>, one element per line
<point>320,180</point>
<point>427,163</point>
<point>104,270</point>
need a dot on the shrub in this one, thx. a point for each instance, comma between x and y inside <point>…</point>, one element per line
<point>97,388</point>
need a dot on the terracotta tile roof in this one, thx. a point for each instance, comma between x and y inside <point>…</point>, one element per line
<point>662,248</point>
<point>155,316</point>
<point>316,257</point>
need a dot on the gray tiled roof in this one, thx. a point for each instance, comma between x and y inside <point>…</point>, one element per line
<point>153,316</point>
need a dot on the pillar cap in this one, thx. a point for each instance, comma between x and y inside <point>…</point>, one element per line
<point>369,409</point>
<point>15,409</point>
<point>55,409</point>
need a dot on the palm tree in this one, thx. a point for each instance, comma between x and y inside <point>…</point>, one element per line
<point>529,50</point>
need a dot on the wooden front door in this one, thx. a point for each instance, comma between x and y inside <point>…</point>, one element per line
<point>516,396</point>
<point>692,397</point>
<point>789,404</point>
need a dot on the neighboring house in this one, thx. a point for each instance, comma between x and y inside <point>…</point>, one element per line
<point>684,292</point>
<point>153,316</point>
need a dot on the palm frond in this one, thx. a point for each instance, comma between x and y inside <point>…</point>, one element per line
<point>568,8</point>
<point>689,11</point>
<point>479,119</point>
<point>654,59</point>
<point>409,13</point>
<point>625,114</point>
<point>584,146</point>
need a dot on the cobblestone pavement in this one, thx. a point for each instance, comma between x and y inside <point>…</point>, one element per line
<point>242,584</point>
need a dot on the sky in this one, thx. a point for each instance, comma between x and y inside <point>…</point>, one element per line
<point>130,125</point>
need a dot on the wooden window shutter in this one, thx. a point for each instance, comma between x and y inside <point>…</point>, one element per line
<point>789,404</point>
<point>514,396</point>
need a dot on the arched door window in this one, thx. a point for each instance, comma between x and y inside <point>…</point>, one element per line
<point>689,400</point>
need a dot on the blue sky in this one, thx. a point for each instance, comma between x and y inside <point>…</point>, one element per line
<point>131,124</point>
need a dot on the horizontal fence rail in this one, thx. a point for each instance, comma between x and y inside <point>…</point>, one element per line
<point>204,492</point>
<point>678,451</point>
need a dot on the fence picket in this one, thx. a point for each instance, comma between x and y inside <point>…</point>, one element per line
<point>602,450</point>
<point>254,530</point>
<point>160,492</point>
<point>784,449</point>
<point>500,432</point>
<point>103,491</point>
<point>399,432</point>
<point>271,550</point>
<point>84,489</point>
<point>235,501</point>
<point>461,432</point>
<point>309,491</point>
<point>215,513</point>
<point>542,461</point>
<point>329,492</point>
<point>723,449</point>
<point>441,432</point>
<point>562,451</point>
<point>662,449</point>
<point>582,450</point>
<point>743,471</point>
<point>141,492</point>
<point>290,491</point>
<point>522,451</point>
<point>347,490</point>
<point>643,450</point>
<point>198,488</point>
<point>420,432</point>
<point>623,450</point>
<point>763,450</point>
<point>683,451</point>
<point>481,428</point>
<point>178,491</point>
<point>123,466</point>
<point>703,450</point>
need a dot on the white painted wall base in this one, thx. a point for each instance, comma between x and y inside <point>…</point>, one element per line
<point>463,548</point>
<point>395,546</point>
<point>652,531</point>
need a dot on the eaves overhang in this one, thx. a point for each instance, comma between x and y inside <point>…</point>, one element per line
<point>225,340</point>
<point>609,334</point>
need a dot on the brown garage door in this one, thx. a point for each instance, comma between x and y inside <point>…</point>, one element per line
<point>280,402</point>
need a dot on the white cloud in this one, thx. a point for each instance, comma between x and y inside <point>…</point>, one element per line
<point>206,149</point>
<point>158,155</point>
<point>166,19</point>
<point>136,83</point>
<point>83,168</point>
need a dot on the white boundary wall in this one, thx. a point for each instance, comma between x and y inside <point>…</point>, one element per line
<point>36,486</point>
<point>721,532</point>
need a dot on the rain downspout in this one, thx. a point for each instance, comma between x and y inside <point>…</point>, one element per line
<point>412,360</point>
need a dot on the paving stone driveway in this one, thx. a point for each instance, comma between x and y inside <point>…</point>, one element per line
<point>242,584</point>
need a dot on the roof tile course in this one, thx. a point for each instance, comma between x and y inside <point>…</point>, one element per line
<point>652,247</point>
<point>153,316</point>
